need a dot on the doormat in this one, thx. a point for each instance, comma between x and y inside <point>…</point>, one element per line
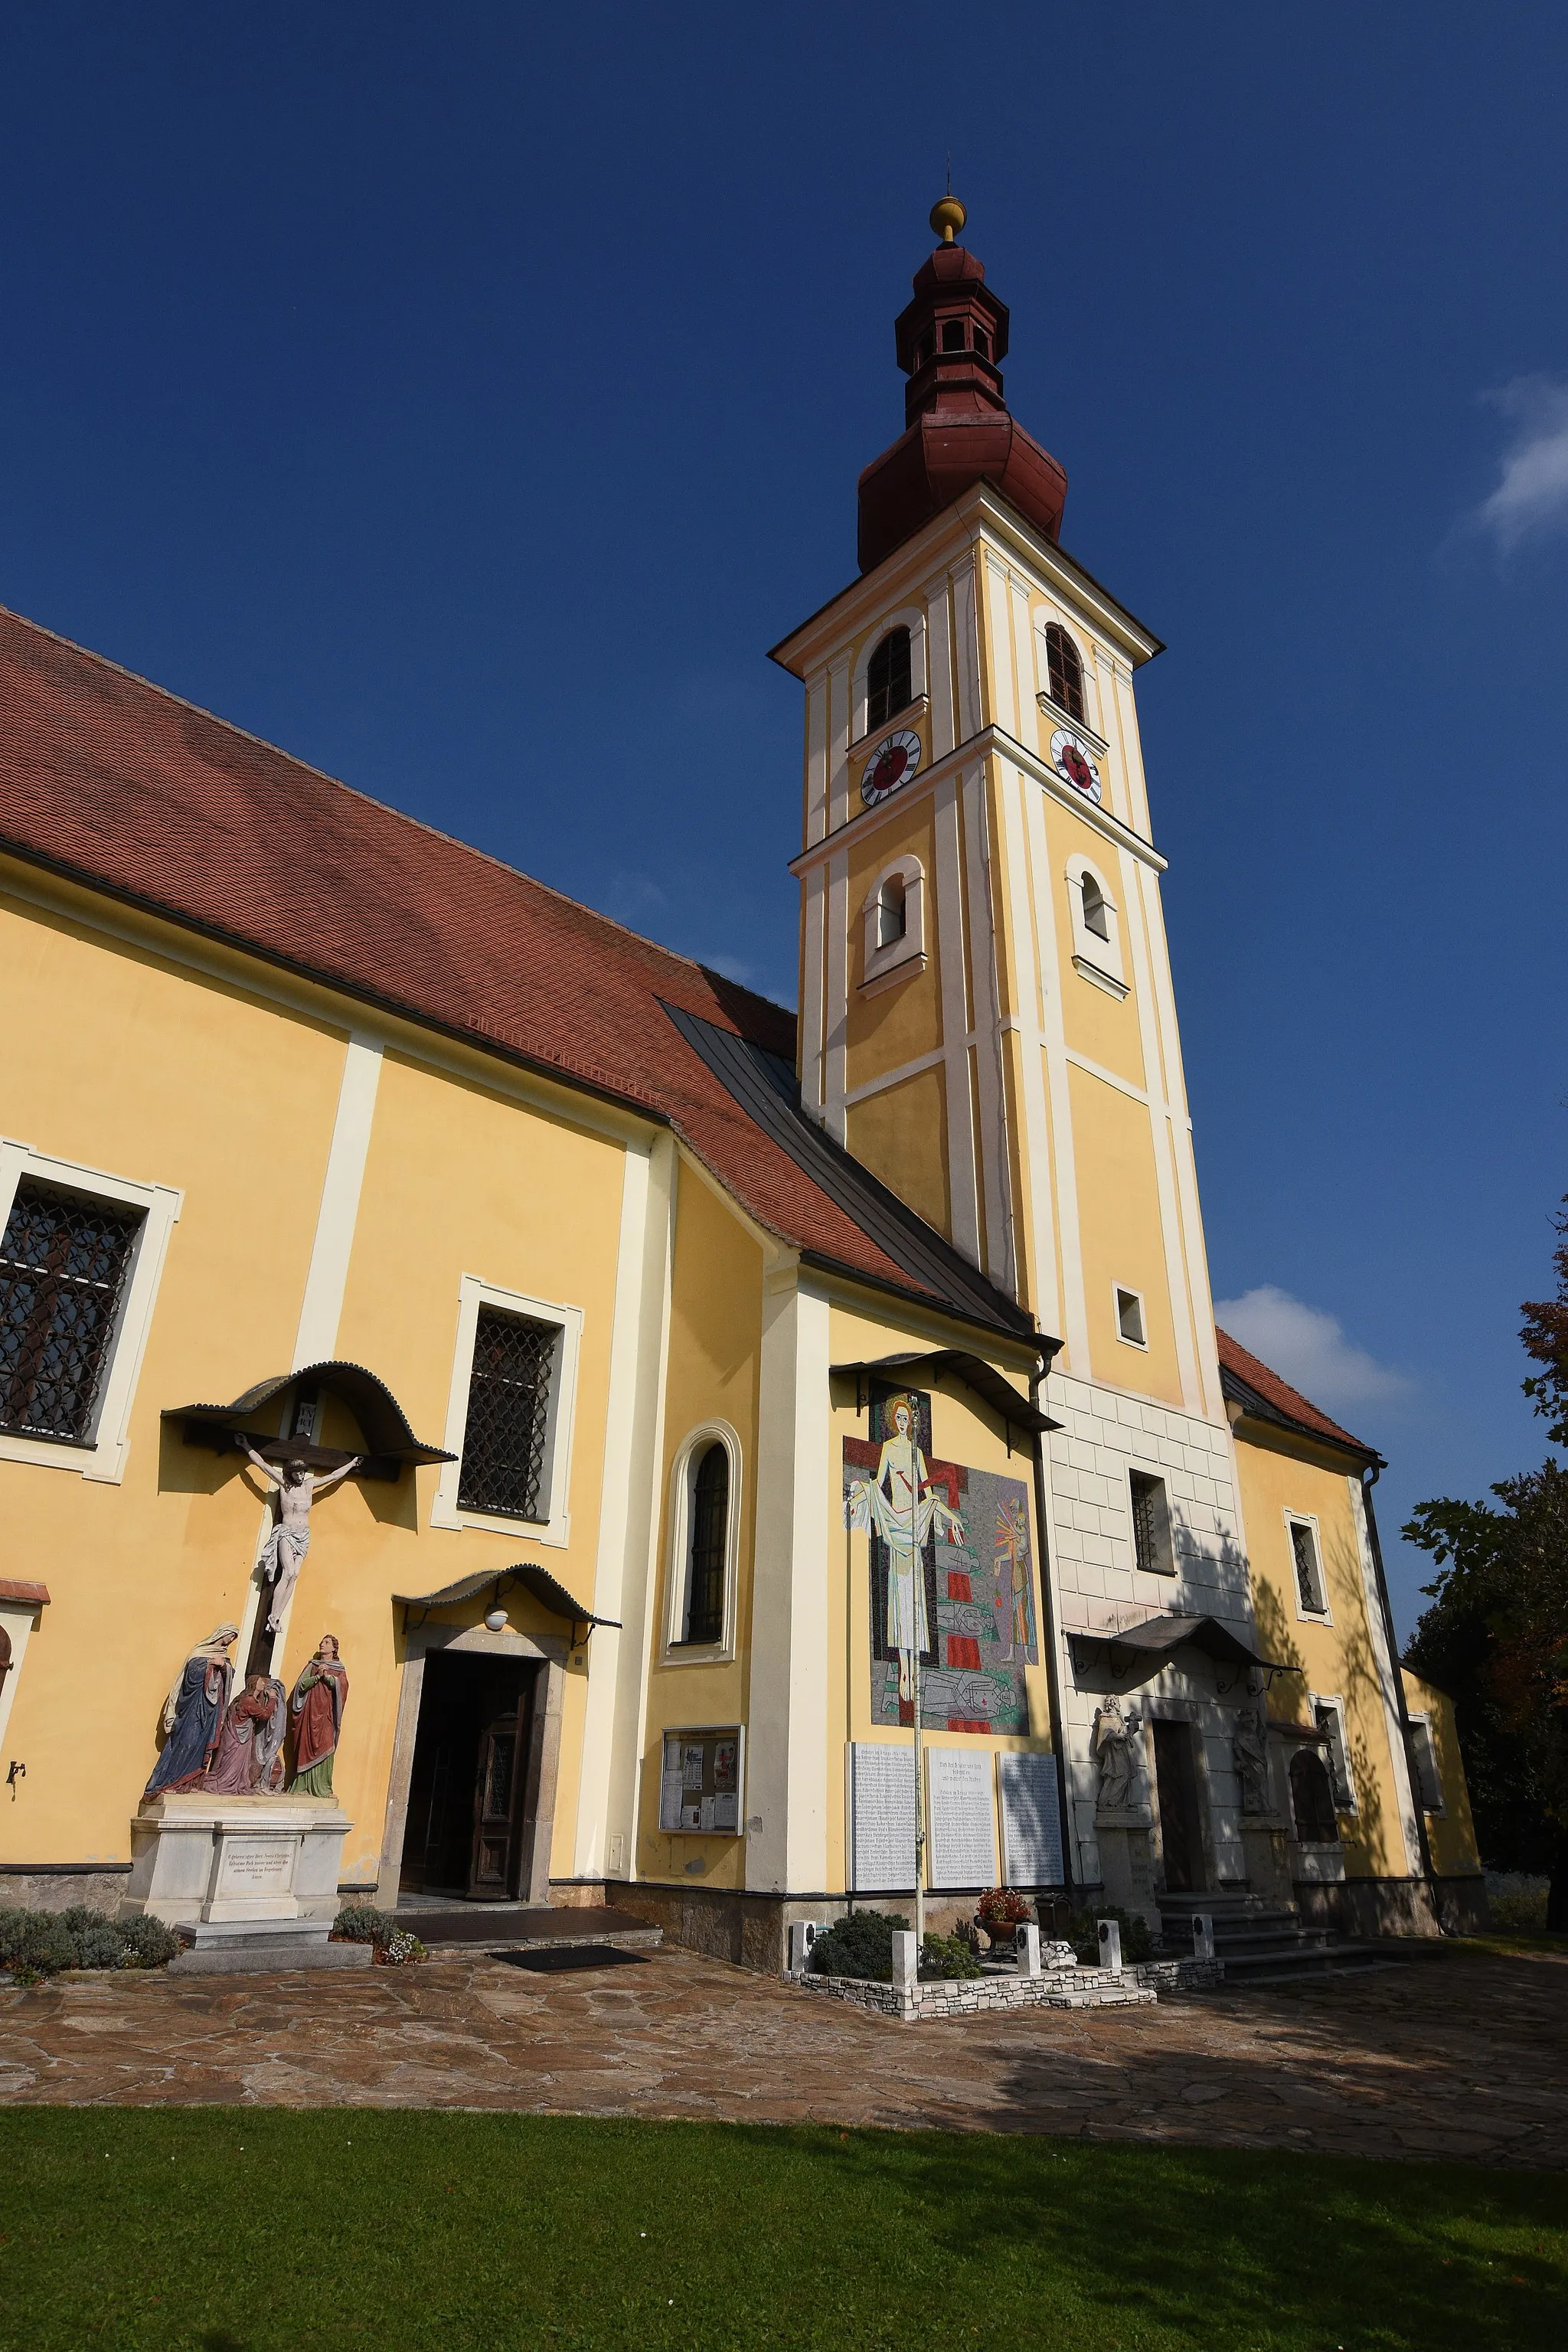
<point>564,1959</point>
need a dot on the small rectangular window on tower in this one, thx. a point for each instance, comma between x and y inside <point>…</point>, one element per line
<point>1152,1547</point>
<point>1130,1317</point>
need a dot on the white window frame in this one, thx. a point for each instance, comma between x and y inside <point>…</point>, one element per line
<point>1119,1291</point>
<point>21,1620</point>
<point>1421,1729</point>
<point>1095,960</point>
<point>1325,1615</point>
<point>107,1448</point>
<point>902,958</point>
<point>1153,1470</point>
<point>473,1293</point>
<point>908,616</point>
<point>1340,1765</point>
<point>1088,654</point>
<point>683,1470</point>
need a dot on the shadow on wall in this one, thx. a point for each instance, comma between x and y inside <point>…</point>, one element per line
<point>1371,1832</point>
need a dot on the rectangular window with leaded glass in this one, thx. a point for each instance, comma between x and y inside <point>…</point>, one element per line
<point>505,1434</point>
<point>65,1261</point>
<point>510,1413</point>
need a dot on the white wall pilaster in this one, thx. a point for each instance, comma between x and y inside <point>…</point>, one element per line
<point>786,1736</point>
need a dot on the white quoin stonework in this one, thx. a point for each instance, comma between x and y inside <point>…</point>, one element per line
<point>1105,1434</point>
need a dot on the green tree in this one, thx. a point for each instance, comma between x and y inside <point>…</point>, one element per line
<point>1496,1635</point>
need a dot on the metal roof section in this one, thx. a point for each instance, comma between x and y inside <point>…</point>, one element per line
<point>1157,1637</point>
<point>764,1087</point>
<point>974,1370</point>
<point>382,1420</point>
<point>547,1590</point>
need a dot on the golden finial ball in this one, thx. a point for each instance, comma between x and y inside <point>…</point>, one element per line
<point>947,218</point>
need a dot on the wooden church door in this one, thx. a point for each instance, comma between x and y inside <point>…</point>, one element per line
<point>503,1718</point>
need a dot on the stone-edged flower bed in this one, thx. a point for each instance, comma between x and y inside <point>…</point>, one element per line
<point>1078,1988</point>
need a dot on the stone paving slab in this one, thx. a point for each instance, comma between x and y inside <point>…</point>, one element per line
<point>1458,2054</point>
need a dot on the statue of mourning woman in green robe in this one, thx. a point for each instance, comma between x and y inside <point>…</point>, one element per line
<point>316,1705</point>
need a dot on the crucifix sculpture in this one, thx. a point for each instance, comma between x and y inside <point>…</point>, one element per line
<point>296,1487</point>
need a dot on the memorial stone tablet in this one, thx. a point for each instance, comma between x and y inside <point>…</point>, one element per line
<point>254,1865</point>
<point>882,1806</point>
<point>963,1817</point>
<point>1031,1821</point>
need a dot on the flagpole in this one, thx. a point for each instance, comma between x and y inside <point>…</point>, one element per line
<point>919,1791</point>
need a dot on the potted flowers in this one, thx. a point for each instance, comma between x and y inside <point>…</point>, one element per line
<point>1002,1913</point>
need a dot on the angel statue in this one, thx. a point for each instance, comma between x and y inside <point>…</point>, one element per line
<point>900,1505</point>
<point>283,1553</point>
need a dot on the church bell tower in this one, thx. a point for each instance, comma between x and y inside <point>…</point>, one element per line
<point>987,1019</point>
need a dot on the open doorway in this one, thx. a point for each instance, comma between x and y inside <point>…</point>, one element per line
<point>463,1834</point>
<point>1181,1833</point>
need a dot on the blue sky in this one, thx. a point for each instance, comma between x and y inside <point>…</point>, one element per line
<point>466,400</point>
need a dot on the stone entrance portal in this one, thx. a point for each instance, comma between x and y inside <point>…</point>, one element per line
<point>1181,1831</point>
<point>473,1798</point>
<point>465,1796</point>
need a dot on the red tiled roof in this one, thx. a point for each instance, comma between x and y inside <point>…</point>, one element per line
<point>111,780</point>
<point>1288,1403</point>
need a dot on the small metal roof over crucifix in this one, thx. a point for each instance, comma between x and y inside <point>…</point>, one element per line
<point>390,1443</point>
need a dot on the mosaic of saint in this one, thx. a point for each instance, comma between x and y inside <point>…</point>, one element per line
<point>951,1578</point>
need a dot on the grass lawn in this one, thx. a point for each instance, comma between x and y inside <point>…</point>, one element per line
<point>246,2229</point>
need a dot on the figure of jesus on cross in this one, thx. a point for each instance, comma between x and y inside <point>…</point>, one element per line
<point>282,1554</point>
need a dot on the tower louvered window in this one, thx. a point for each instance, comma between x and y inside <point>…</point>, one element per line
<point>1065,665</point>
<point>888,679</point>
<point>64,1260</point>
<point>504,1438</point>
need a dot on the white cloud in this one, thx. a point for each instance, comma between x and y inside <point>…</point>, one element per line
<point>1309,1349</point>
<point>1532,494</point>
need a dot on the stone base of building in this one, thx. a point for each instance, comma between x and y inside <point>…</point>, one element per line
<point>753,1930</point>
<point>1361,1907</point>
<point>230,1946</point>
<point>207,1859</point>
<point>57,1885</point>
<point>750,1930</point>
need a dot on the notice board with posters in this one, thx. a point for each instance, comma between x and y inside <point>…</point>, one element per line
<point>699,1785</point>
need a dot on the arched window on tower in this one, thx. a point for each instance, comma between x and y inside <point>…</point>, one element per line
<point>892,910</point>
<point>1064,664</point>
<point>1094,918</point>
<point>888,679</point>
<point>893,913</point>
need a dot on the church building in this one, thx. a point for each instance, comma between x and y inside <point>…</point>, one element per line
<point>666,1449</point>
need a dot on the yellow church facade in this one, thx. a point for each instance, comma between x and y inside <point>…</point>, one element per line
<point>716,1407</point>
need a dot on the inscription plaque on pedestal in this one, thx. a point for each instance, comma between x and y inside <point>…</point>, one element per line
<point>1031,1821</point>
<point>882,1817</point>
<point>963,1817</point>
<point>252,1864</point>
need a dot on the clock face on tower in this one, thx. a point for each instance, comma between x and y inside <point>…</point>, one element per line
<point>892,763</point>
<point>1070,759</point>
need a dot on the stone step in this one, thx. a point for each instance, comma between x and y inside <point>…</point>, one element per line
<point>529,1927</point>
<point>1277,1967</point>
